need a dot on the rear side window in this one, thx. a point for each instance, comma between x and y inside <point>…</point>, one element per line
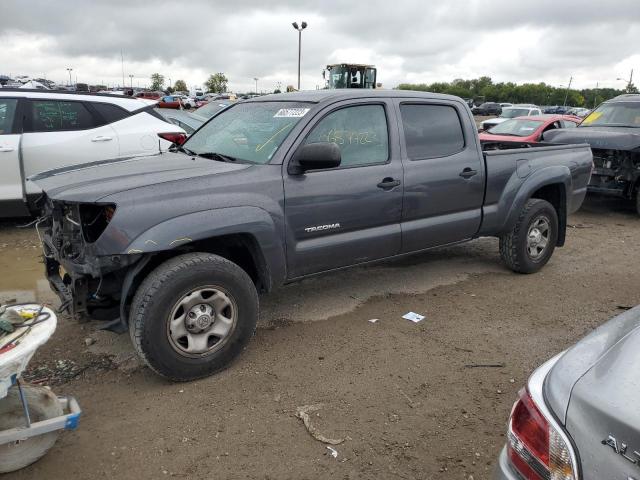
<point>360,132</point>
<point>109,113</point>
<point>431,131</point>
<point>7,114</point>
<point>53,116</point>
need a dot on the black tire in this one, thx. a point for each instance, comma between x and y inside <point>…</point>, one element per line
<point>163,288</point>
<point>638,199</point>
<point>513,245</point>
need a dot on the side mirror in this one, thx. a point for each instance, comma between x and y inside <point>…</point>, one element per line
<point>315,156</point>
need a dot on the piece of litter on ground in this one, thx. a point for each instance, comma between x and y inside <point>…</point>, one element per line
<point>374,320</point>
<point>334,452</point>
<point>485,365</point>
<point>413,316</point>
<point>303,414</point>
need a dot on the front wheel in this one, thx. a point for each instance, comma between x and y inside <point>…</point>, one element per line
<point>531,242</point>
<point>193,315</point>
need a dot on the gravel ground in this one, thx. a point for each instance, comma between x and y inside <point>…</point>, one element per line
<point>409,400</point>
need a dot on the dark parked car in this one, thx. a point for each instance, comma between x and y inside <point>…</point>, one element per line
<point>613,131</point>
<point>175,247</point>
<point>556,109</point>
<point>487,108</point>
<point>578,417</point>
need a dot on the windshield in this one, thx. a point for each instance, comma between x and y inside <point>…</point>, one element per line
<point>617,114</point>
<point>249,132</point>
<point>517,128</point>
<point>514,112</point>
<point>354,77</point>
<point>210,109</point>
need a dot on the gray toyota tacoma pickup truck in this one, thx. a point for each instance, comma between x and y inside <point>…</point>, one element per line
<point>176,247</point>
<point>578,417</point>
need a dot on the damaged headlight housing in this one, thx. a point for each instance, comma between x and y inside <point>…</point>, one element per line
<point>94,219</point>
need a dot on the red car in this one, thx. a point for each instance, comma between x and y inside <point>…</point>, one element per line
<point>528,129</point>
<point>149,95</point>
<point>169,101</point>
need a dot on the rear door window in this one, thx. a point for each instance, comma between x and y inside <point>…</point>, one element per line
<point>7,114</point>
<point>54,116</point>
<point>360,132</point>
<point>109,113</point>
<point>431,130</point>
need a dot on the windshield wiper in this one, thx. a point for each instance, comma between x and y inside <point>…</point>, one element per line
<point>184,150</point>
<point>218,156</point>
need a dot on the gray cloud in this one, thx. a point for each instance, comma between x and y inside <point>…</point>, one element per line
<point>547,40</point>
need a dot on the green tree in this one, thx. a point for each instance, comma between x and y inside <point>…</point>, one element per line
<point>217,83</point>
<point>180,86</point>
<point>538,93</point>
<point>277,90</point>
<point>157,81</point>
<point>631,88</point>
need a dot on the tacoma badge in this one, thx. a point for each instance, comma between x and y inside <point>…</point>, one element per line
<point>330,226</point>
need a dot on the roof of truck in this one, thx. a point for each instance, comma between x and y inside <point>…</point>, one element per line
<point>331,95</point>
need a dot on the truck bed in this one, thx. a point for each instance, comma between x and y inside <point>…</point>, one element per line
<point>510,164</point>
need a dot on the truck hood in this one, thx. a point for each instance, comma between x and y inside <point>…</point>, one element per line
<point>614,348</point>
<point>94,181</point>
<point>614,138</point>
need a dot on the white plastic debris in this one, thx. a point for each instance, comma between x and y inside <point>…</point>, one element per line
<point>413,316</point>
<point>374,320</point>
<point>334,452</point>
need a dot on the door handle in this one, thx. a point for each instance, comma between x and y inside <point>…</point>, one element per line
<point>468,173</point>
<point>101,138</point>
<point>388,183</point>
<point>6,149</point>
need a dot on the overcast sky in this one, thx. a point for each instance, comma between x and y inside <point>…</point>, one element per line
<point>408,40</point>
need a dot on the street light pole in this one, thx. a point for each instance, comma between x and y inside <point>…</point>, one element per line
<point>299,28</point>
<point>69,70</point>
<point>131,81</point>
<point>256,80</point>
<point>566,95</point>
<point>628,82</point>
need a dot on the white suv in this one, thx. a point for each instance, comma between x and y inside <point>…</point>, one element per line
<point>522,110</point>
<point>45,130</point>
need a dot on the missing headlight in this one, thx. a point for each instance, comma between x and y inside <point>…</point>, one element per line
<point>94,219</point>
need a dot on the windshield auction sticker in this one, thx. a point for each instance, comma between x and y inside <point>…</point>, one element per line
<point>291,112</point>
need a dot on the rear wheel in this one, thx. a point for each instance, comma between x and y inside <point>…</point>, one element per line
<point>638,200</point>
<point>193,315</point>
<point>531,242</point>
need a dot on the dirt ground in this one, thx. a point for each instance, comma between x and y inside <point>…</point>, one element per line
<point>410,400</point>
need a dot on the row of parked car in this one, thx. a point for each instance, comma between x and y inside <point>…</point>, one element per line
<point>493,108</point>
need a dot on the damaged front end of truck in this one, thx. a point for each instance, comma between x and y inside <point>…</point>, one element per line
<point>87,281</point>
<point>616,172</point>
<point>613,132</point>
